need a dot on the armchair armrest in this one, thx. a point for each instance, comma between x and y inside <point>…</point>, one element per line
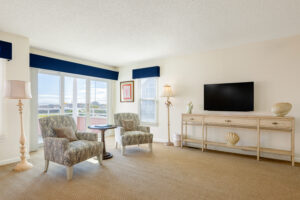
<point>119,131</point>
<point>54,149</point>
<point>87,136</point>
<point>144,129</point>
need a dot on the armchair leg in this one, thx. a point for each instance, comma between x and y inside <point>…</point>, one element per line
<point>123,150</point>
<point>116,144</point>
<point>46,165</point>
<point>100,157</point>
<point>69,173</point>
<point>150,147</point>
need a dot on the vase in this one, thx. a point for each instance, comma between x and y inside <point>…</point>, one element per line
<point>232,138</point>
<point>281,109</point>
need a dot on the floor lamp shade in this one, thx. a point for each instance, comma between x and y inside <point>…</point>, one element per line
<point>17,89</point>
<point>167,91</point>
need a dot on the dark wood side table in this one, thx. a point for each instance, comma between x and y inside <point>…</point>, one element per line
<point>102,129</point>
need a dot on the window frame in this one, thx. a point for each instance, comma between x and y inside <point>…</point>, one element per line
<point>88,79</point>
<point>155,100</point>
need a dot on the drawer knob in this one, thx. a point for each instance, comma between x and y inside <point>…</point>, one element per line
<point>275,123</point>
<point>227,120</point>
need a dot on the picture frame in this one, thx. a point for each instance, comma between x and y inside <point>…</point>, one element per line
<point>127,91</point>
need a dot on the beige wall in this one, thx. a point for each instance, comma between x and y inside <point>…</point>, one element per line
<point>16,69</point>
<point>273,65</point>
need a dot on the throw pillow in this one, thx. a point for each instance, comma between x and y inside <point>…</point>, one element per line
<point>128,125</point>
<point>65,133</point>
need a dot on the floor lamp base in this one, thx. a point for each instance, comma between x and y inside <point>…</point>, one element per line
<point>169,144</point>
<point>22,166</point>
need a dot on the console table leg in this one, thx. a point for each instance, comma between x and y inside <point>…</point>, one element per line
<point>203,135</point>
<point>181,134</point>
<point>258,139</point>
<point>185,130</point>
<point>293,143</point>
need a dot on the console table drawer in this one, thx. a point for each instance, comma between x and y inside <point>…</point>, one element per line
<point>192,118</point>
<point>231,121</point>
<point>275,124</point>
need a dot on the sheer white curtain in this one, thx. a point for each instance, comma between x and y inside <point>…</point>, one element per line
<point>33,143</point>
<point>2,80</point>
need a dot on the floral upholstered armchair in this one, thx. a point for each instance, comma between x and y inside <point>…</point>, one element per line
<point>134,134</point>
<point>64,151</point>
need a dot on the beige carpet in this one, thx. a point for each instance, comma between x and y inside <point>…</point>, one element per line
<point>167,173</point>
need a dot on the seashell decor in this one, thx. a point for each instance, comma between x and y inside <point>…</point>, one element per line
<point>232,138</point>
<point>281,109</point>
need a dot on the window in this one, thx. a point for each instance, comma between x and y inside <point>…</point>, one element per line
<point>148,100</point>
<point>82,97</point>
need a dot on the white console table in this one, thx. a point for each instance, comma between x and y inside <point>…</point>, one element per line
<point>256,122</point>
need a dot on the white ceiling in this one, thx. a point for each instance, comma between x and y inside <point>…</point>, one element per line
<point>120,32</point>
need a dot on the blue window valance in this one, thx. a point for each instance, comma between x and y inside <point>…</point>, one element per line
<point>5,50</point>
<point>146,72</point>
<point>44,62</point>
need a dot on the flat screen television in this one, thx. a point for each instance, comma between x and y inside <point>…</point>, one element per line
<point>229,96</point>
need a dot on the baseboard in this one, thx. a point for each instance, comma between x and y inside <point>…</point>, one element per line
<point>9,161</point>
<point>12,160</point>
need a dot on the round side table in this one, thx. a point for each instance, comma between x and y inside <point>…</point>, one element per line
<point>102,129</point>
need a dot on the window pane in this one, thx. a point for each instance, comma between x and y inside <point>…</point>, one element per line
<point>68,101</point>
<point>148,88</point>
<point>148,100</point>
<point>98,105</point>
<point>48,95</point>
<point>148,111</point>
<point>81,104</point>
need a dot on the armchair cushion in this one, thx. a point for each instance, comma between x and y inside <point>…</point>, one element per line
<point>136,137</point>
<point>143,129</point>
<point>87,136</point>
<point>81,150</point>
<point>67,133</point>
<point>128,125</point>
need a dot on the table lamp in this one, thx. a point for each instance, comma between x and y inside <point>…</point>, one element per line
<point>168,93</point>
<point>20,90</point>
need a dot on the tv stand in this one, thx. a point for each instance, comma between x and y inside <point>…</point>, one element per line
<point>254,122</point>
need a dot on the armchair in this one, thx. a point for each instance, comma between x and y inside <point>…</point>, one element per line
<point>139,135</point>
<point>64,152</point>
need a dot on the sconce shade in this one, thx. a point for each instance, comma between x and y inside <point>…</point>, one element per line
<point>167,91</point>
<point>17,89</point>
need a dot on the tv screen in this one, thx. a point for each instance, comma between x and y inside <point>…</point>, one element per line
<point>229,97</point>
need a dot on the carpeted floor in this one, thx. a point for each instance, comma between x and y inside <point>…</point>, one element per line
<point>167,173</point>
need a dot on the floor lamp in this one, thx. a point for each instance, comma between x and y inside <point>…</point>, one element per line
<point>168,93</point>
<point>20,90</point>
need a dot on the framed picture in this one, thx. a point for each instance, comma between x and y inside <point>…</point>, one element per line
<point>127,91</point>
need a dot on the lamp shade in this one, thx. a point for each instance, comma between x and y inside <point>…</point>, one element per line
<point>17,89</point>
<point>167,91</point>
